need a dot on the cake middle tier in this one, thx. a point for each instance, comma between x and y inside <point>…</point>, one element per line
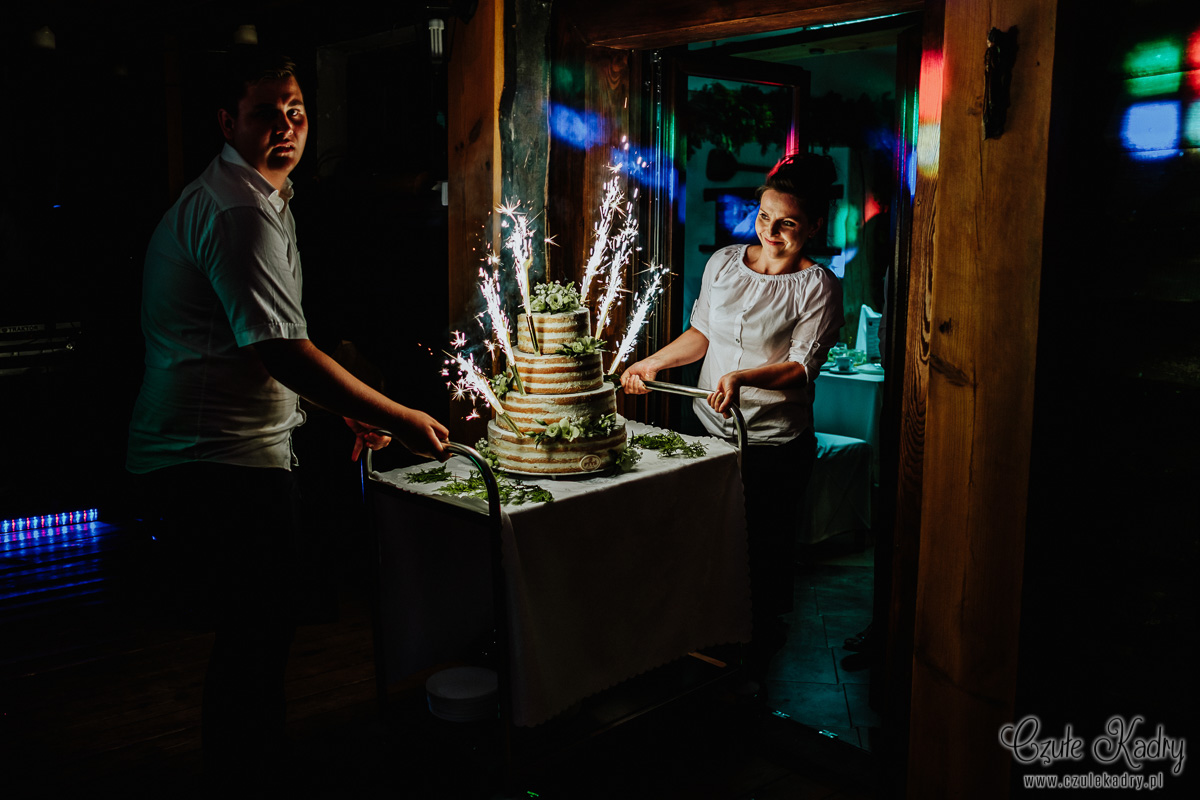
<point>553,330</point>
<point>559,374</point>
<point>527,409</point>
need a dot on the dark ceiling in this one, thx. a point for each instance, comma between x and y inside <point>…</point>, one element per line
<point>124,25</point>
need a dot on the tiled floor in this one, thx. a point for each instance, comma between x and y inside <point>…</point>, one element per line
<point>814,679</point>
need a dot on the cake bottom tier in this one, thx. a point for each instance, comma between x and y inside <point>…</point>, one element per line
<point>523,454</point>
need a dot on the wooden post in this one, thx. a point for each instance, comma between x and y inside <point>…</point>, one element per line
<point>983,309</point>
<point>524,121</point>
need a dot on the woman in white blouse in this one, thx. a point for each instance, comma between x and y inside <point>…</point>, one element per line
<point>765,319</point>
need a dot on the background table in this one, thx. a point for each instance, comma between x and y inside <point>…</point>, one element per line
<point>618,575</point>
<point>850,405</point>
<point>838,497</point>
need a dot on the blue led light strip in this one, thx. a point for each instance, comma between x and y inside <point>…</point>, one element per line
<point>49,520</point>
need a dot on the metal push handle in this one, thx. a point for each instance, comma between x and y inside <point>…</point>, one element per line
<point>739,422</point>
<point>471,454</point>
<point>499,593</point>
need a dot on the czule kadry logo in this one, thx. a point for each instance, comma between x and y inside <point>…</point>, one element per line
<point>1120,742</point>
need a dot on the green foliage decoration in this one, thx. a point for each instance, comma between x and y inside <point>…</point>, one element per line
<point>554,298</point>
<point>434,474</point>
<point>627,458</point>
<point>490,457</point>
<point>572,428</point>
<point>503,383</point>
<point>583,346</point>
<point>512,492</point>
<point>668,445</point>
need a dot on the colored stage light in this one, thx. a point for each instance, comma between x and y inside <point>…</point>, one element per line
<point>1154,85</point>
<point>1151,131</point>
<point>1158,57</point>
<point>1191,125</point>
<point>576,128</point>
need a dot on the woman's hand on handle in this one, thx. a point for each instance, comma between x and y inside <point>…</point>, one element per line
<point>788,375</point>
<point>688,348</point>
<point>632,378</point>
<point>726,392</point>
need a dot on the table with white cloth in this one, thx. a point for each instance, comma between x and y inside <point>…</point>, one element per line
<point>838,497</point>
<point>846,413</point>
<point>618,575</point>
<point>849,404</point>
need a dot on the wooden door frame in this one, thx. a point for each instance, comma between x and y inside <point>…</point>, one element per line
<point>678,66</point>
<point>907,431</point>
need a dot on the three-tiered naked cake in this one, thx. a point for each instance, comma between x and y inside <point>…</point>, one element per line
<point>566,411</point>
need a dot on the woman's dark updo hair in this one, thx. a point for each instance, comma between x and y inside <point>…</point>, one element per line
<point>809,177</point>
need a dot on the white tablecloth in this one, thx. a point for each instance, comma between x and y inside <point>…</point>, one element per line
<point>850,405</point>
<point>618,575</point>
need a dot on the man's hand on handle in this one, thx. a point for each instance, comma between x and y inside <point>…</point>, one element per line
<point>416,430</point>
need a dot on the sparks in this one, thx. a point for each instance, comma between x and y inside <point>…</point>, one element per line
<point>608,207</point>
<point>489,286</point>
<point>641,311</point>
<point>520,244</point>
<point>471,381</point>
<point>622,249</point>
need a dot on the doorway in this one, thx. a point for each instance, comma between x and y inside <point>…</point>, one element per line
<point>839,91</point>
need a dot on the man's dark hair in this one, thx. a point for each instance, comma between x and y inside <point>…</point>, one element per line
<point>246,66</point>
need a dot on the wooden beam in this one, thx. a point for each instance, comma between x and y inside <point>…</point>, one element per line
<point>568,158</point>
<point>525,123</point>
<point>475,77</point>
<point>638,25</point>
<point>902,434</point>
<point>983,309</point>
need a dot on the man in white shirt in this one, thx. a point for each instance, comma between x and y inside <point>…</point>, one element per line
<point>227,360</point>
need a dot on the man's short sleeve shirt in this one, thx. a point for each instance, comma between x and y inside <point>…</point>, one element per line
<point>222,272</point>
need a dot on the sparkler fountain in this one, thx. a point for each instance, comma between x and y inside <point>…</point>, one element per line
<point>555,411</point>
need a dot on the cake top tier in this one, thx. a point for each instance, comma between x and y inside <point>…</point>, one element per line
<point>553,330</point>
<point>555,298</point>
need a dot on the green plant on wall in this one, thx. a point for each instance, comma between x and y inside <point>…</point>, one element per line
<point>731,118</point>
